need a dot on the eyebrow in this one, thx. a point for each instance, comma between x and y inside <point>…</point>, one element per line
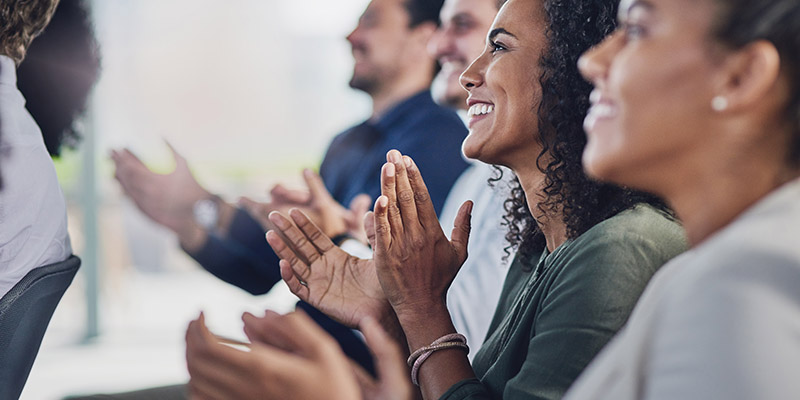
<point>494,32</point>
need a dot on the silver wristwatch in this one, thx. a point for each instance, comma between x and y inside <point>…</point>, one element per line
<point>206,212</point>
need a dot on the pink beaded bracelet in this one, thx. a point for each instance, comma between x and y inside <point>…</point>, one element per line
<point>451,341</point>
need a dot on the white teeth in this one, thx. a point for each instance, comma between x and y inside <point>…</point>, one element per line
<point>480,109</point>
<point>594,97</point>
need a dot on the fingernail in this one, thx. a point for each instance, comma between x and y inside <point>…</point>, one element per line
<point>277,220</point>
<point>390,170</point>
<point>408,161</point>
<point>383,201</point>
<point>394,155</point>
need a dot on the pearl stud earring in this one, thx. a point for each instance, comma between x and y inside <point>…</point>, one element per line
<point>719,103</point>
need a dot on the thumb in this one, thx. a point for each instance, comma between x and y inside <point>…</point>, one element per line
<point>180,161</point>
<point>315,185</point>
<point>461,229</point>
<point>359,206</point>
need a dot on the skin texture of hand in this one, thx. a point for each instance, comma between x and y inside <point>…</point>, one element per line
<point>342,286</point>
<point>415,262</point>
<point>317,204</point>
<point>295,332</point>
<point>290,357</point>
<point>167,199</point>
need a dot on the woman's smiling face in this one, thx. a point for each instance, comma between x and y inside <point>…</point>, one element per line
<point>504,89</point>
<point>654,84</point>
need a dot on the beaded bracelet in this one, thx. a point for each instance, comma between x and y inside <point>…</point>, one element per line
<point>451,341</point>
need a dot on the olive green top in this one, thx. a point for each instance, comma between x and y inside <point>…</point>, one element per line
<point>559,309</point>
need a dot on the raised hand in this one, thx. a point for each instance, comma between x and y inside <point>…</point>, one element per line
<point>342,286</point>
<point>290,357</point>
<point>296,333</point>
<point>167,199</point>
<point>318,204</point>
<point>415,261</point>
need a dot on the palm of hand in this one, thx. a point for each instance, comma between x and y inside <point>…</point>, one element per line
<point>345,287</point>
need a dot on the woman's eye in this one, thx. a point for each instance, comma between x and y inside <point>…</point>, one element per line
<point>633,31</point>
<point>496,47</point>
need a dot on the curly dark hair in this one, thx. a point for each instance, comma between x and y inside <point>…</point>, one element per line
<point>574,26</point>
<point>58,74</point>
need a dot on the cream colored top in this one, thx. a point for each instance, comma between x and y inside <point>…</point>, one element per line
<point>719,322</point>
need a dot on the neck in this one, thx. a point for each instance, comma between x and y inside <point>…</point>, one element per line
<point>711,200</point>
<point>550,222</point>
<point>383,99</point>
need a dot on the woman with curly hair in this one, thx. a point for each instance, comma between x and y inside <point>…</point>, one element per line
<point>586,249</point>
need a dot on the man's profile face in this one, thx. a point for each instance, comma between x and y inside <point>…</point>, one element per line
<point>459,40</point>
<point>378,44</point>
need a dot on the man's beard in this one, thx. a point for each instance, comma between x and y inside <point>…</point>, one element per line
<point>366,84</point>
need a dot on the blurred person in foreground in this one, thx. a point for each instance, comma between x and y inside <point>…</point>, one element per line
<point>699,101</point>
<point>33,213</point>
<point>393,66</point>
<point>586,250</point>
<point>59,72</point>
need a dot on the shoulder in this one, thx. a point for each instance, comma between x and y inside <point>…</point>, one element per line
<point>642,238</point>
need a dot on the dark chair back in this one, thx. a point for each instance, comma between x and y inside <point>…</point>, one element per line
<point>25,312</point>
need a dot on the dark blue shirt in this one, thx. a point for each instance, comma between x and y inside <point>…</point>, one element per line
<point>417,127</point>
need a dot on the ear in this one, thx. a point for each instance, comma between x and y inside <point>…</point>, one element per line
<point>423,33</point>
<point>750,75</point>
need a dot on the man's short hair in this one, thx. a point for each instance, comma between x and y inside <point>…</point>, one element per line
<point>422,11</point>
<point>20,22</point>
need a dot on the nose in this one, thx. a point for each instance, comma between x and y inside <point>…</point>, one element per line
<point>595,62</point>
<point>353,36</point>
<point>473,75</point>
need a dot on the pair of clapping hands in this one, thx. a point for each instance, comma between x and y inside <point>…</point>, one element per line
<point>413,266</point>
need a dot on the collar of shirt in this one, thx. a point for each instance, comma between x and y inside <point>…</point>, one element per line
<point>392,119</point>
<point>8,71</point>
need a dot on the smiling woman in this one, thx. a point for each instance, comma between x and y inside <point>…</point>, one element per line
<point>699,100</point>
<point>587,249</point>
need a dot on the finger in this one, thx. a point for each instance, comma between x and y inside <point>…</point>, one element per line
<point>316,187</point>
<point>391,366</point>
<point>383,230</point>
<point>281,194</point>
<point>180,161</point>
<point>258,331</point>
<point>297,239</point>
<point>293,281</point>
<point>213,367</point>
<point>311,231</point>
<point>369,228</point>
<point>389,191</point>
<point>461,230</point>
<point>295,332</point>
<point>404,192</point>
<point>360,206</point>
<point>288,255</point>
<point>425,209</point>
<point>368,385</point>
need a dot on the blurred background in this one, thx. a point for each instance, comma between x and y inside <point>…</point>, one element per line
<point>250,92</point>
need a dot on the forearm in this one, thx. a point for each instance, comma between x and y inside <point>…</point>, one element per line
<point>444,368</point>
<point>192,237</point>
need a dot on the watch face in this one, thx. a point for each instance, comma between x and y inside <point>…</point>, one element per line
<point>206,213</point>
